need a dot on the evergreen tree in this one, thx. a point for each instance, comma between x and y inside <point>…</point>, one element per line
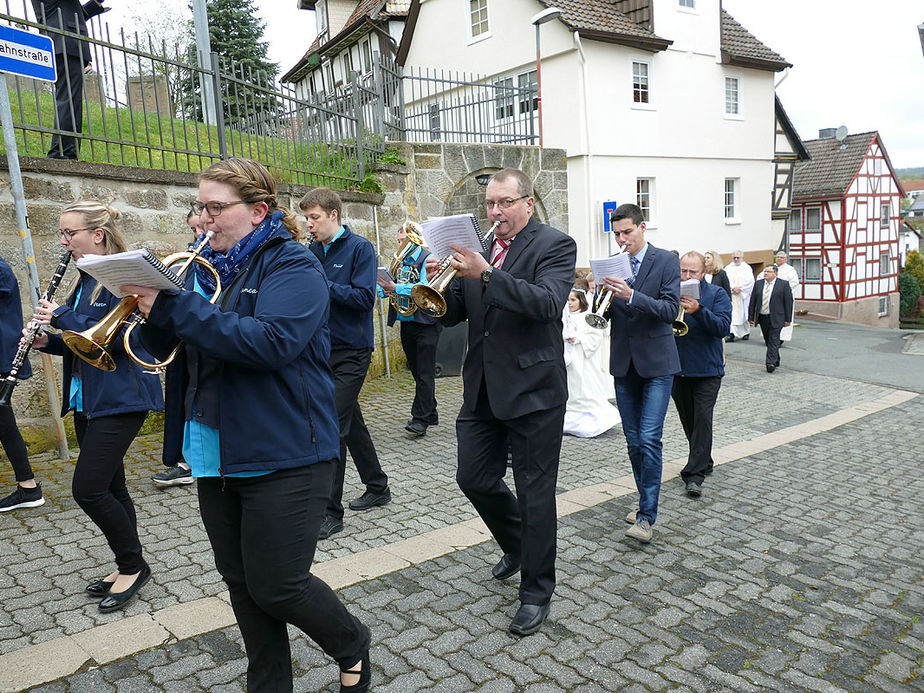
<point>248,76</point>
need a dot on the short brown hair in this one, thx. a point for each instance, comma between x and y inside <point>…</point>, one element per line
<point>524,183</point>
<point>325,198</point>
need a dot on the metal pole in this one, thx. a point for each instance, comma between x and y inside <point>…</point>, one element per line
<point>539,83</point>
<point>382,302</point>
<point>204,52</point>
<point>28,251</point>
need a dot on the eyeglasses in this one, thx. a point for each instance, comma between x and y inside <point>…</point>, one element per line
<point>70,233</point>
<point>213,208</point>
<point>503,204</point>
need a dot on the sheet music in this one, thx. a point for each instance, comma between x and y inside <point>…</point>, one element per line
<point>460,229</point>
<point>690,287</point>
<point>384,275</point>
<point>613,266</point>
<point>138,267</point>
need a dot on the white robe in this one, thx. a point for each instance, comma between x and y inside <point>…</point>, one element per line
<point>588,413</point>
<point>742,276</point>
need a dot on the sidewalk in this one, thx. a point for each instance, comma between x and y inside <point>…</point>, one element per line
<point>799,569</point>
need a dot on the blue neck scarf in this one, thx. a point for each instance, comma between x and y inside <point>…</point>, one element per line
<point>230,264</point>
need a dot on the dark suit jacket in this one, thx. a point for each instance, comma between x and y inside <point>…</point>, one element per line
<point>642,331</point>
<point>514,324</point>
<point>780,303</point>
<point>73,18</point>
<point>721,279</point>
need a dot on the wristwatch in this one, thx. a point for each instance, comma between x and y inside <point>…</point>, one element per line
<point>486,276</point>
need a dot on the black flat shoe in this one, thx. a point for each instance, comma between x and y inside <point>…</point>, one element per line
<point>528,619</point>
<point>98,588</point>
<point>365,677</point>
<point>117,600</point>
<point>506,567</point>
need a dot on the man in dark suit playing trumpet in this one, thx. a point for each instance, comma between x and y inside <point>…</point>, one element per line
<point>515,386</point>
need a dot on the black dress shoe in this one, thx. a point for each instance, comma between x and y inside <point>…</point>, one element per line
<point>730,338</point>
<point>506,566</point>
<point>416,428</point>
<point>365,677</point>
<point>98,588</point>
<point>370,499</point>
<point>116,600</point>
<point>745,338</point>
<point>330,526</point>
<point>770,369</point>
<point>694,490</point>
<point>528,619</point>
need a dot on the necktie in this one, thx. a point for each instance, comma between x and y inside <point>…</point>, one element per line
<point>635,264</point>
<point>500,252</point>
<point>765,304</point>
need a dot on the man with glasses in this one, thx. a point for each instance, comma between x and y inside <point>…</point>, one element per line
<point>702,365</point>
<point>741,278</point>
<point>515,385</point>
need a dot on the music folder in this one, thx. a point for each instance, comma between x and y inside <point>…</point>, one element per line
<point>138,267</point>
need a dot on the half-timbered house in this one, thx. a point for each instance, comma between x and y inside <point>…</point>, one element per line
<point>844,229</point>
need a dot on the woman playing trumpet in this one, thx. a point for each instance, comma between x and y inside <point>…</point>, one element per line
<point>109,407</point>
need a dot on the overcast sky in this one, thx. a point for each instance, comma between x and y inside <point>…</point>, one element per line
<point>855,63</point>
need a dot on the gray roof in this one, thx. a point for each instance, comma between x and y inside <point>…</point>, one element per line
<point>741,47</point>
<point>831,169</point>
<point>918,206</point>
<point>601,20</point>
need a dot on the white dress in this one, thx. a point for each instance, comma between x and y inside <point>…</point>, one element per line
<point>588,413</point>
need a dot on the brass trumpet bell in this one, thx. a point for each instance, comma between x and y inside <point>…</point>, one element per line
<point>679,326</point>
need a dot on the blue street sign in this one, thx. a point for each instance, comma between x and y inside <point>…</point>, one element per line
<point>608,209</point>
<point>27,54</point>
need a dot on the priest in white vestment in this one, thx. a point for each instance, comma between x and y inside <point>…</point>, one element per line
<point>787,273</point>
<point>741,279</point>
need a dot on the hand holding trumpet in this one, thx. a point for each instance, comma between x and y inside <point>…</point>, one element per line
<point>619,287</point>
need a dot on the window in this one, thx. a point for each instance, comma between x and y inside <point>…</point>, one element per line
<point>367,56</point>
<point>641,90</point>
<point>479,14</point>
<point>796,263</point>
<point>528,84</point>
<point>689,4</point>
<point>644,194</point>
<point>884,263</point>
<point>885,213</point>
<point>435,124</point>
<point>347,63</point>
<point>503,98</point>
<point>883,305</point>
<point>320,16</point>
<point>329,75</point>
<point>731,96</point>
<point>731,199</point>
<point>795,220</point>
<point>812,269</point>
<point>813,219</point>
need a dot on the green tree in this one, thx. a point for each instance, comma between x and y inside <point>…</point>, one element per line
<point>914,265</point>
<point>909,293</point>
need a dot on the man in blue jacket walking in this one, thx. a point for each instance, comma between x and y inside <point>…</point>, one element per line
<point>349,263</point>
<point>702,365</point>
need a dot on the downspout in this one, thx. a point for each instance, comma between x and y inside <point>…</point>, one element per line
<point>588,166</point>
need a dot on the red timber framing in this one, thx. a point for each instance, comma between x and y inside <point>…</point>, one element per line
<point>846,247</point>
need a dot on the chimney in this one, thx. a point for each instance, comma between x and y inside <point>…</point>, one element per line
<point>826,133</point>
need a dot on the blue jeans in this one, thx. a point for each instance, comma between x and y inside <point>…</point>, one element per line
<point>642,406</point>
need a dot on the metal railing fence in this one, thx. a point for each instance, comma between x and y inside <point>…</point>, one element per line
<point>142,105</point>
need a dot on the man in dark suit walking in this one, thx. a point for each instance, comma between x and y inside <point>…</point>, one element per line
<point>71,57</point>
<point>515,385</point>
<point>771,308</point>
<point>643,356</point>
<point>702,365</point>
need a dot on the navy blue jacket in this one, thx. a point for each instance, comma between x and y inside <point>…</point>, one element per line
<point>269,331</point>
<point>10,321</point>
<point>701,348</point>
<point>105,393</point>
<point>351,273</point>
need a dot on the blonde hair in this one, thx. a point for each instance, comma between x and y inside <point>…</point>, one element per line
<point>717,264</point>
<point>97,215</point>
<point>253,183</point>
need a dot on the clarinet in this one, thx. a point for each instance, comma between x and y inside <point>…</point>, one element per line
<point>9,382</point>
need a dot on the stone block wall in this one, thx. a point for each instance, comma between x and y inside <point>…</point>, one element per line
<point>436,180</point>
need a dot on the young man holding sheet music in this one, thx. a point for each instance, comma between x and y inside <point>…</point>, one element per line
<point>349,263</point>
<point>515,385</point>
<point>643,355</point>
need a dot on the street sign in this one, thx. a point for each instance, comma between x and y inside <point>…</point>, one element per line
<point>608,209</point>
<point>26,54</point>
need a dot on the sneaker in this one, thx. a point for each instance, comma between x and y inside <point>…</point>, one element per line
<point>630,518</point>
<point>329,527</point>
<point>370,499</point>
<point>23,498</point>
<point>641,530</point>
<point>174,476</point>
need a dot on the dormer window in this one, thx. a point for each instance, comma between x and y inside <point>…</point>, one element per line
<point>320,16</point>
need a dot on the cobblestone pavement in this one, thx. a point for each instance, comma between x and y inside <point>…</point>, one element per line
<point>799,569</point>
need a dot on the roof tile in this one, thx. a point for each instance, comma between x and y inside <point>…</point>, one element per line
<point>831,169</point>
<point>738,43</point>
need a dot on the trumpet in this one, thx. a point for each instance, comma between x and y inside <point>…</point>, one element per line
<point>429,297</point>
<point>94,345</point>
<point>678,325</point>
<point>602,301</point>
<point>413,241</point>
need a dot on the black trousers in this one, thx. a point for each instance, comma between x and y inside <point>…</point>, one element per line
<point>771,338</point>
<point>13,445</point>
<point>350,367</point>
<point>263,531</point>
<point>99,482</point>
<point>526,525</point>
<point>695,401</point>
<point>68,105</point>
<point>419,343</point>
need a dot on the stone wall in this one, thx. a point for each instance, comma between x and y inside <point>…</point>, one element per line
<point>436,180</point>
